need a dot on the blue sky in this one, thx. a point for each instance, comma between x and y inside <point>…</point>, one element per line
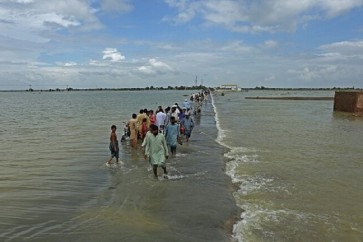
<point>124,43</point>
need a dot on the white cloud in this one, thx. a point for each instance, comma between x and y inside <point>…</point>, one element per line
<point>237,46</point>
<point>112,55</point>
<point>158,64</point>
<point>39,38</point>
<point>93,62</point>
<point>342,52</point>
<point>337,7</point>
<point>270,78</point>
<point>40,21</point>
<point>344,47</point>
<point>260,16</point>
<point>154,66</point>
<point>116,6</point>
<point>270,44</point>
<point>187,10</point>
<point>99,63</point>
<point>35,20</point>
<point>146,70</point>
<point>306,73</point>
<point>22,1</point>
<point>71,63</point>
<point>317,72</point>
<point>37,15</point>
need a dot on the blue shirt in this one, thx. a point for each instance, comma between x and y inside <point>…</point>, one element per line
<point>171,134</point>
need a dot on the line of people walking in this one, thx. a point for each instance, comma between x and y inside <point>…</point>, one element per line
<point>159,132</point>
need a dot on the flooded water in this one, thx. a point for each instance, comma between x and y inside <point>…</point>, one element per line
<point>55,185</point>
<point>297,164</point>
<point>294,168</point>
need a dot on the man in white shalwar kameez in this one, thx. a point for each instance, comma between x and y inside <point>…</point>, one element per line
<point>156,149</point>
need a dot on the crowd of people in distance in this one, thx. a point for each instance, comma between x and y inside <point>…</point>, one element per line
<point>161,131</point>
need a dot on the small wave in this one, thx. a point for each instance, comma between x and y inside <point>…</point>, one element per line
<point>221,133</point>
<point>234,163</point>
<point>174,174</point>
<point>259,221</point>
<point>262,212</point>
<point>251,220</point>
<point>119,167</point>
<point>172,177</point>
<point>252,184</point>
<point>237,151</point>
<point>238,156</point>
<point>254,214</point>
<point>24,231</point>
<point>181,155</point>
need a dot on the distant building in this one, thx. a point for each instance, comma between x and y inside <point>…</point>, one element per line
<point>230,87</point>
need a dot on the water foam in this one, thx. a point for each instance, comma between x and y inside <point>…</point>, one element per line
<point>252,213</point>
<point>221,133</point>
<point>253,184</point>
<point>250,227</point>
<point>231,168</point>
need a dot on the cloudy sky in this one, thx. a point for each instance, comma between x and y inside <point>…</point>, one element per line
<point>139,43</point>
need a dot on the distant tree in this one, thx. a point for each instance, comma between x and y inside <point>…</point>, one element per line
<point>180,88</point>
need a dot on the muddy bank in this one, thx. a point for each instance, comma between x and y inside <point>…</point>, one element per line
<point>294,98</point>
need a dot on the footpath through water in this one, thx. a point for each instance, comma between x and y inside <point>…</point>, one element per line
<point>194,204</point>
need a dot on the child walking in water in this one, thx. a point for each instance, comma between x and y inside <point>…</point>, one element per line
<point>113,145</point>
